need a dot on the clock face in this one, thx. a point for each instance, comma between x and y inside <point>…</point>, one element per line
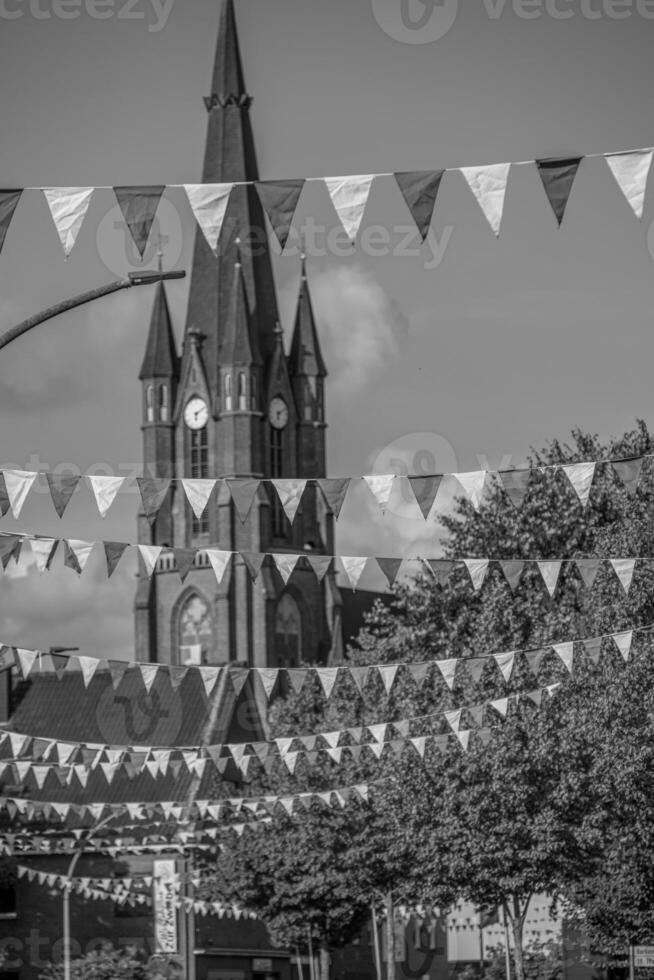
<point>196,413</point>
<point>278,413</point>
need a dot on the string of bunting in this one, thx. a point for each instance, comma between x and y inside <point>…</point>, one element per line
<point>33,662</point>
<point>15,487</point>
<point>349,195</point>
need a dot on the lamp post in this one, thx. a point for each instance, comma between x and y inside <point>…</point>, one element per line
<point>133,279</point>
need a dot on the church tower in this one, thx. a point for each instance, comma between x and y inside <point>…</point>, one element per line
<point>235,405</point>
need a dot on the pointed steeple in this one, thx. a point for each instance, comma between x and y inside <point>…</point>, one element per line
<point>240,345</point>
<point>230,157</point>
<point>278,377</point>
<point>160,360</point>
<point>306,358</point>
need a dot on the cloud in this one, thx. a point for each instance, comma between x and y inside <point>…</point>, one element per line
<point>361,326</point>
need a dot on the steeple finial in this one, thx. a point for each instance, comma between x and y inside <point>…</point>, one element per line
<point>228,84</point>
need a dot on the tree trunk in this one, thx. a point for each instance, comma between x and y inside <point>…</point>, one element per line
<point>325,960</point>
<point>390,938</point>
<point>517,923</point>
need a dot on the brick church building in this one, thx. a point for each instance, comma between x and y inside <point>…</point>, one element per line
<point>234,404</point>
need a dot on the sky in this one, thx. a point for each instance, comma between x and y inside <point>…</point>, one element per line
<point>464,353</point>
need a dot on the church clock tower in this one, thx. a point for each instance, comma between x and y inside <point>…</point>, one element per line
<point>235,405</point>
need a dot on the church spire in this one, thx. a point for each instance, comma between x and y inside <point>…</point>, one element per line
<point>240,342</point>
<point>160,360</point>
<point>228,81</point>
<point>306,359</point>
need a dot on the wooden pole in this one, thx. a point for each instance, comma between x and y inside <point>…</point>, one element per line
<point>375,937</point>
<point>507,952</point>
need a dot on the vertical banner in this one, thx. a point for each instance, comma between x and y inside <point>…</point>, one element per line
<point>164,887</point>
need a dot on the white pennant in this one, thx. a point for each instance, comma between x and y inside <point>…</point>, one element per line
<point>381,487</point>
<point>550,571</point>
<point>501,705</point>
<point>505,663</point>
<point>349,196</point>
<point>150,553</point>
<point>42,549</point>
<point>209,205</point>
<point>81,550</point>
<point>448,670</point>
<point>387,675</point>
<point>68,207</point>
<point>19,484</point>
<point>198,493</point>
<point>104,490</point>
<point>473,486</point>
<point>464,739</point>
<point>581,476</point>
<point>477,568</point>
<point>327,677</point>
<point>268,677</point>
<point>210,677</point>
<point>149,675</point>
<point>88,666</point>
<point>290,493</point>
<point>631,171</point>
<point>353,568</point>
<point>488,184</point>
<point>623,643</point>
<point>219,561</point>
<point>285,565</point>
<point>26,659</point>
<point>624,569</point>
<point>566,652</point>
<point>453,718</point>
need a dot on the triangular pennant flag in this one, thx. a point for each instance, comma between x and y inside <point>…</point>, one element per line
<point>76,554</point>
<point>253,562</point>
<point>279,200</point>
<point>629,470</point>
<point>558,176</point>
<point>184,558</point>
<point>488,184</point>
<point>477,568</point>
<point>26,661</point>
<point>43,550</point>
<point>420,190</point>
<point>512,572</point>
<point>209,677</point>
<point>290,494</point>
<point>320,565</point>
<point>453,718</point>
<point>448,670</point>
<point>623,643</point>
<point>349,196</point>
<point>580,476</point>
<point>104,490</point>
<point>381,488</point>
<point>285,565</point>
<point>550,571</point>
<point>243,494</point>
<point>387,674</point>
<point>353,568</point>
<point>18,484</point>
<point>505,663</point>
<point>565,652</point>
<point>624,569</point>
<point>441,569</point>
<point>153,493</point>
<point>297,678</point>
<point>327,677</point>
<point>88,667</point>
<point>209,205</point>
<point>501,705</point>
<point>10,547</point>
<point>475,667</point>
<point>359,675</point>
<point>268,677</point>
<point>238,677</point>
<point>113,552</point>
<point>594,649</point>
<point>516,484</point>
<point>390,567</point>
<point>425,489</point>
<point>198,493</point>
<point>148,675</point>
<point>139,206</point>
<point>62,487</point>
<point>473,486</point>
<point>588,569</point>
<point>68,207</point>
<point>334,491</point>
<point>150,555</point>
<point>8,201</point>
<point>464,739</point>
<point>219,561</point>
<point>631,171</point>
<point>4,497</point>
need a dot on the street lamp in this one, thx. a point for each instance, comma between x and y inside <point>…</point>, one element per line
<point>133,279</point>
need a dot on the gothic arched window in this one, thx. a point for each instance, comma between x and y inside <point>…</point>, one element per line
<point>163,403</point>
<point>149,403</point>
<point>242,392</point>
<point>229,395</point>
<point>195,631</point>
<point>288,632</point>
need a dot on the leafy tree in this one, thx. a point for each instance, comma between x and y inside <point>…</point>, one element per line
<point>105,963</point>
